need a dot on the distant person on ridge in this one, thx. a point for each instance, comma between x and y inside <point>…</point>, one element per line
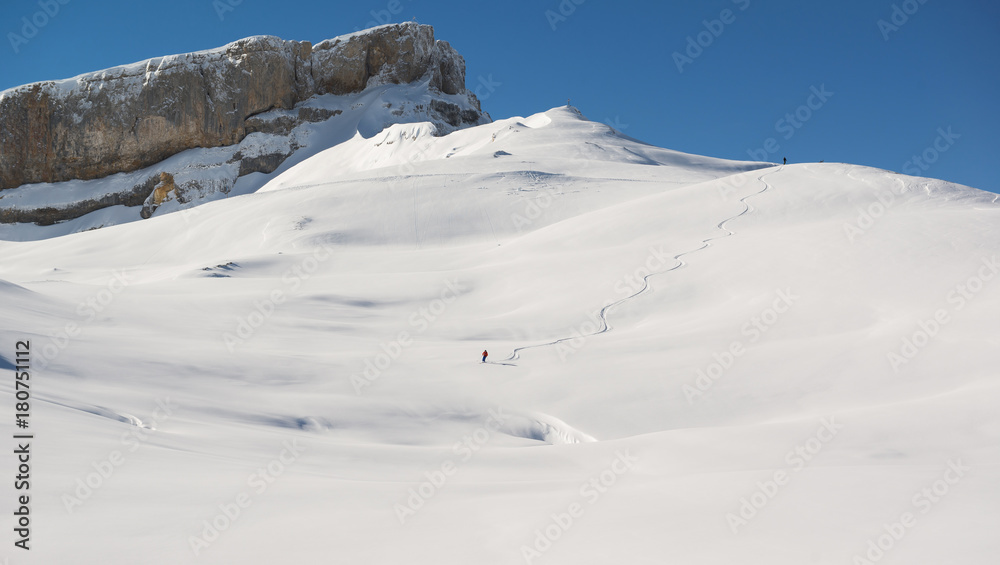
<point>784,160</point>
<point>484,355</point>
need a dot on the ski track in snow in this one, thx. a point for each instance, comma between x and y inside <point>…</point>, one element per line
<point>101,411</point>
<point>92,409</point>
<point>705,243</point>
<point>993,202</point>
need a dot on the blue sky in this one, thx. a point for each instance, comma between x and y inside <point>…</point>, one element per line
<point>740,79</point>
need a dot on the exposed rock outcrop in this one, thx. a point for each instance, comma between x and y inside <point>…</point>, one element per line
<point>130,117</point>
<point>159,195</point>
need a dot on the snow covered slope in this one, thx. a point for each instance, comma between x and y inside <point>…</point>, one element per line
<point>206,174</point>
<point>691,360</point>
<point>192,127</point>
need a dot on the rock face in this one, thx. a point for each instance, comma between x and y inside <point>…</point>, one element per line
<point>160,193</point>
<point>130,117</point>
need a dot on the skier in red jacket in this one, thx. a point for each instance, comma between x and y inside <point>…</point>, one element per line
<point>484,355</point>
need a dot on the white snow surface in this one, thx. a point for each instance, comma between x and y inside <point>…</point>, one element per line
<point>214,169</point>
<point>293,375</point>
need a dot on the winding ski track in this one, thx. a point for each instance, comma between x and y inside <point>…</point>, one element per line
<point>705,243</point>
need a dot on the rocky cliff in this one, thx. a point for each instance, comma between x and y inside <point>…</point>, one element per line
<point>131,117</point>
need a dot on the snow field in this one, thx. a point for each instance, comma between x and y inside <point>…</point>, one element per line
<point>808,446</point>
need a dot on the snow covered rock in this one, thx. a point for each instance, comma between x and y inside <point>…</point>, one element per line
<point>135,116</point>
